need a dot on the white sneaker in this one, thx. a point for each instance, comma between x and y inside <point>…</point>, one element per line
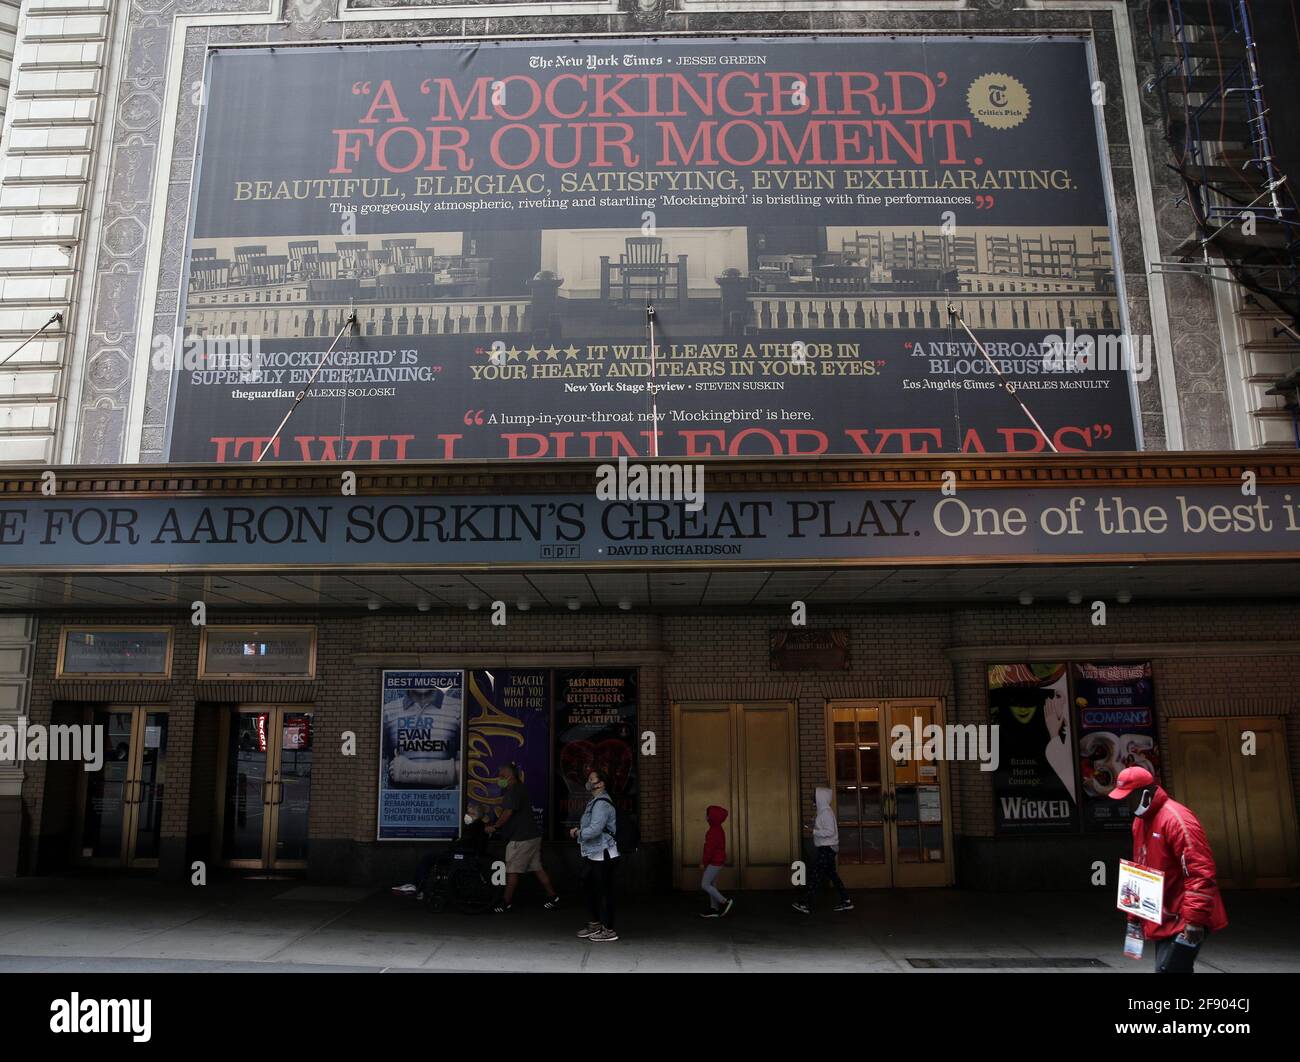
<point>591,930</point>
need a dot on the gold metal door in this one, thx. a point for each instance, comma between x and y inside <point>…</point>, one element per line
<point>741,757</point>
<point>1242,799</point>
<point>894,816</point>
<point>120,820</point>
<point>264,801</point>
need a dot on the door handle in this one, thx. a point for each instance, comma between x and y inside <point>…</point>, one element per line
<point>279,796</point>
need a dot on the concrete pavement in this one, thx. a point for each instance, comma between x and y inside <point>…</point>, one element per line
<point>115,924</point>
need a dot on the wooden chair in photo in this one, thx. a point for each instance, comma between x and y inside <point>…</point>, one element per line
<point>209,274</point>
<point>643,265</point>
<point>349,251</point>
<point>400,251</point>
<point>298,251</point>
<point>243,256</point>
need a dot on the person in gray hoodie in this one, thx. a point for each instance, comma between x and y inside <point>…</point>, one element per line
<point>826,843</point>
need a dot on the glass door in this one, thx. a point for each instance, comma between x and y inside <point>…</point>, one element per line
<point>121,806</point>
<point>267,787</point>
<point>892,813</point>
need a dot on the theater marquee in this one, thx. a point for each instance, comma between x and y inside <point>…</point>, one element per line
<point>886,526</point>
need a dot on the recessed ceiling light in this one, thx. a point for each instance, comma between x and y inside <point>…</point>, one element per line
<point>523,606</point>
<point>625,604</point>
<point>1026,598</point>
<point>1123,597</point>
<point>473,606</point>
<point>1074,597</point>
<point>423,606</point>
<point>575,605</point>
<point>373,606</point>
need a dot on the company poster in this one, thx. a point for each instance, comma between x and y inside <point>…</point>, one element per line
<point>420,755</point>
<point>1115,705</point>
<point>1034,785</point>
<point>509,721</point>
<point>595,727</point>
<point>800,215</point>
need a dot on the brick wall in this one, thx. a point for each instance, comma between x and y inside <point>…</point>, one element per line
<point>895,651</point>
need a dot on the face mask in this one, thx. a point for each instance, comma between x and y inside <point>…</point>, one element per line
<point>469,820</point>
<point>1144,805</point>
<point>503,783</point>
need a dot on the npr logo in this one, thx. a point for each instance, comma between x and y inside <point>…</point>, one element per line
<point>1108,353</point>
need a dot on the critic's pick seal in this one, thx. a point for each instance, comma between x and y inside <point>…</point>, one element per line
<point>998,101</point>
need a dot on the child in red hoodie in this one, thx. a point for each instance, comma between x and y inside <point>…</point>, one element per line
<point>711,862</point>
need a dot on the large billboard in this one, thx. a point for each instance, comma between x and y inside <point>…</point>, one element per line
<point>800,215</point>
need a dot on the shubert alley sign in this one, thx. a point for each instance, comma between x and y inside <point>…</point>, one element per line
<point>987,525</point>
<point>800,212</point>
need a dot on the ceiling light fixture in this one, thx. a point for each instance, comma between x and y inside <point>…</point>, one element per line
<point>1123,597</point>
<point>1026,598</point>
<point>625,605</point>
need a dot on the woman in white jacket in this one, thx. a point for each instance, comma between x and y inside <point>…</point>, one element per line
<point>826,843</point>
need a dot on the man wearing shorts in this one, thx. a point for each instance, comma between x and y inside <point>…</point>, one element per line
<point>523,839</point>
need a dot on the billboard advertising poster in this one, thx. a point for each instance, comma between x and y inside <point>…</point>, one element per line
<point>420,754</point>
<point>1116,711</point>
<point>508,720</point>
<point>1034,785</point>
<point>800,214</point>
<point>595,727</point>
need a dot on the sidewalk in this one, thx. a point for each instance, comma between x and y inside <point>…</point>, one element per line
<point>119,925</point>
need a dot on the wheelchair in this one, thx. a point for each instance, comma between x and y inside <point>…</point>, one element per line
<point>460,880</point>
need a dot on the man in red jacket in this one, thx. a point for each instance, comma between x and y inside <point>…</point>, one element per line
<point>1167,837</point>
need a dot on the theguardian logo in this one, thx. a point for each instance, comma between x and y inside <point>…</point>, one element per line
<point>77,1015</point>
<point>1107,353</point>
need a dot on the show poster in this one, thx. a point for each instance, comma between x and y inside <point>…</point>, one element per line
<point>509,721</point>
<point>1034,785</point>
<point>420,755</point>
<point>1116,709</point>
<point>595,727</point>
<point>800,214</point>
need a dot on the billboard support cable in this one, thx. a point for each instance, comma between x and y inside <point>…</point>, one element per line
<point>1006,384</point>
<point>349,323</point>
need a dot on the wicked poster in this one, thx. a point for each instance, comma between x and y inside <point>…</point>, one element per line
<point>800,213</point>
<point>1034,784</point>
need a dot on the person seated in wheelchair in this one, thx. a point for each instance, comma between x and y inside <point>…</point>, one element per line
<point>472,841</point>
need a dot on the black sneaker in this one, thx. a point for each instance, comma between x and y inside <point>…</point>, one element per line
<point>727,909</point>
<point>710,914</point>
<point>552,903</point>
<point>501,908</point>
<point>802,908</point>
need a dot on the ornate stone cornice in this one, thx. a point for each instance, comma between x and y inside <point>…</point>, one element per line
<point>505,478</point>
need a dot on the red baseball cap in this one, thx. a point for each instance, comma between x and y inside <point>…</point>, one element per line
<point>1131,778</point>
